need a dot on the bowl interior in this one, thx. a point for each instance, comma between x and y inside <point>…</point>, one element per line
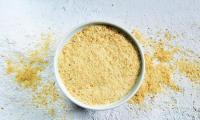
<point>106,106</point>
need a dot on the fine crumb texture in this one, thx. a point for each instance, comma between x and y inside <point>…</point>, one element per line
<point>27,69</point>
<point>159,67</point>
<point>52,112</point>
<point>9,67</point>
<point>169,36</point>
<point>191,69</point>
<point>48,94</point>
<point>99,65</point>
<point>47,97</point>
<point>162,53</point>
<point>144,41</point>
<point>156,78</point>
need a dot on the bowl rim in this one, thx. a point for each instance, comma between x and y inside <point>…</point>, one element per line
<point>124,99</point>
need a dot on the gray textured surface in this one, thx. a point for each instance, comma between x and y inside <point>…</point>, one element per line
<point>22,22</point>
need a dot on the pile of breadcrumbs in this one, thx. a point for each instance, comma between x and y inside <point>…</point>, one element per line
<point>99,65</point>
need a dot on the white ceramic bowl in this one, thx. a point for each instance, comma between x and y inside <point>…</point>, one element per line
<point>107,106</point>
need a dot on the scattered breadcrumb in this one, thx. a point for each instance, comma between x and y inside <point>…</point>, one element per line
<point>146,42</point>
<point>48,94</point>
<point>157,77</point>
<point>159,70</point>
<point>10,67</point>
<point>191,69</point>
<point>99,65</point>
<point>52,112</point>
<point>163,54</point>
<point>27,69</point>
<point>169,36</point>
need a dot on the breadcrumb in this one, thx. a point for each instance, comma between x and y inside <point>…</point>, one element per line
<point>99,65</point>
<point>27,69</point>
<point>159,72</point>
<point>191,69</point>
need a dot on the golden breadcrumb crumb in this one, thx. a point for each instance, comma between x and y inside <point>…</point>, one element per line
<point>159,72</point>
<point>99,65</point>
<point>191,69</point>
<point>27,69</point>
